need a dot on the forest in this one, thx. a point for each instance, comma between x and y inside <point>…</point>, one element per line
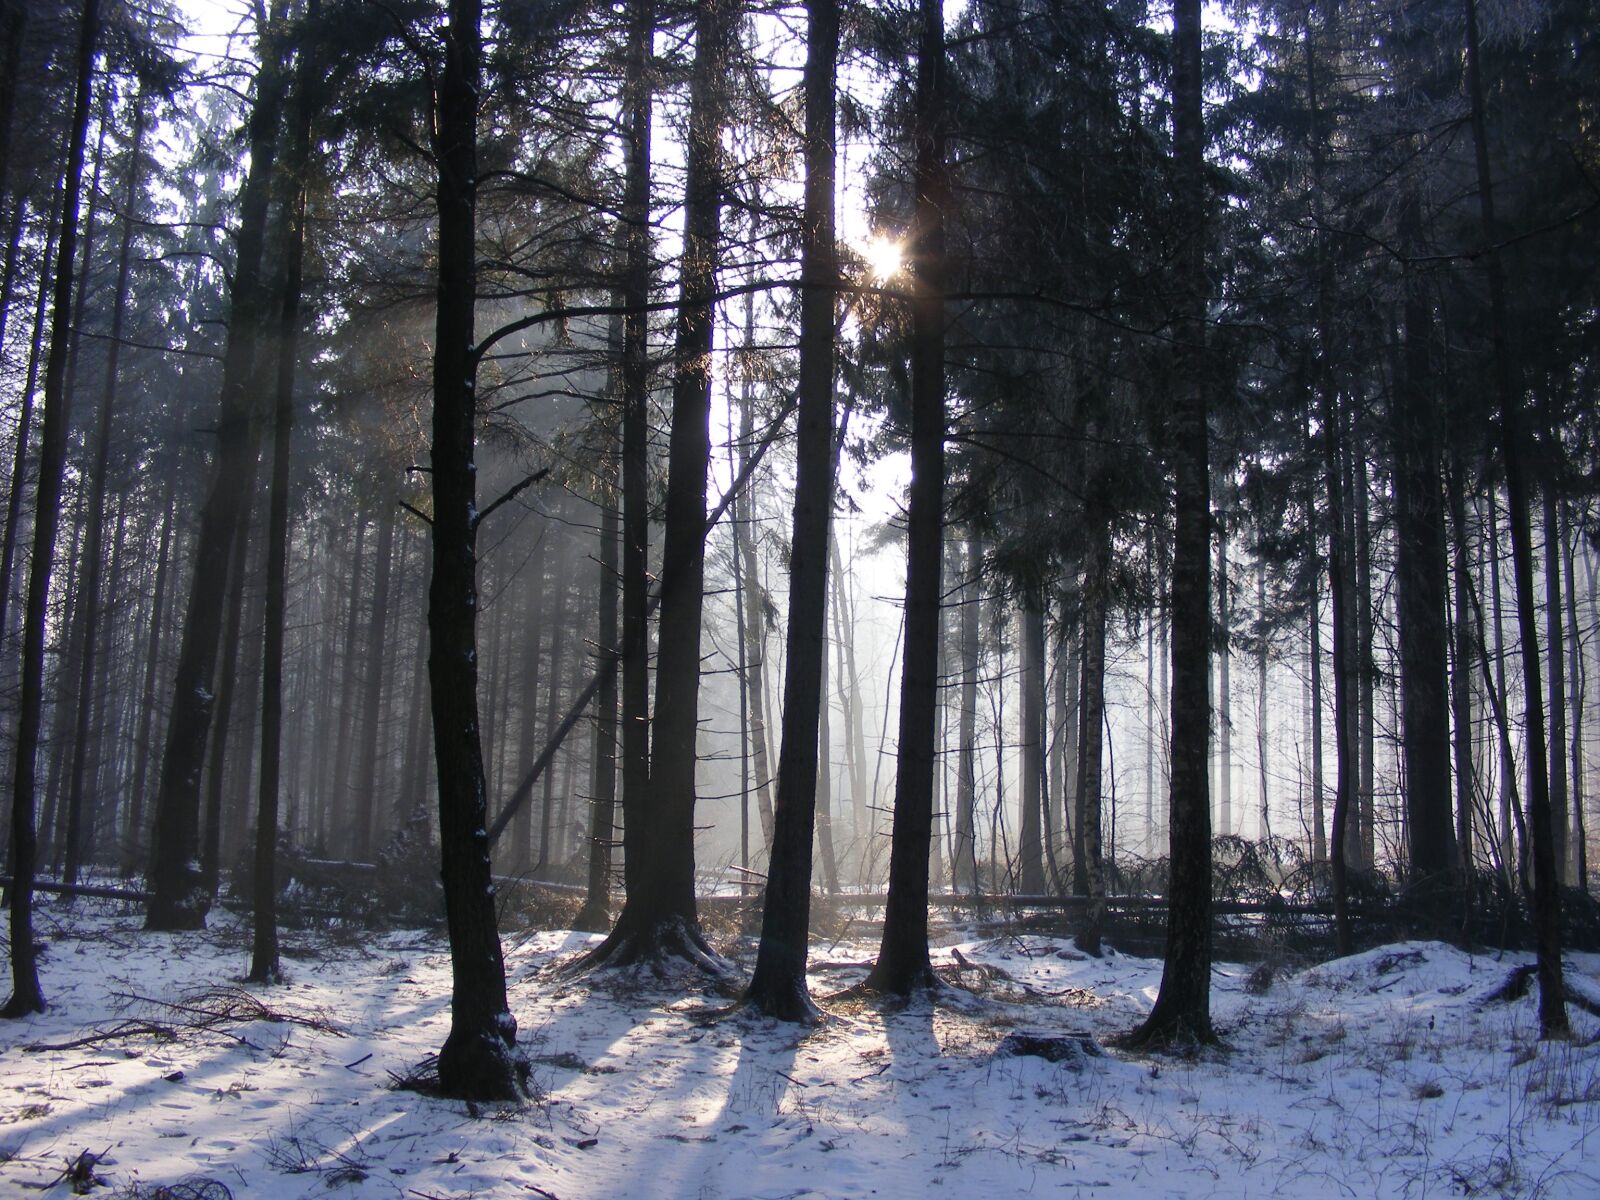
<point>766,506</point>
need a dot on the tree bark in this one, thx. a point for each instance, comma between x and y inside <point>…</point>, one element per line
<point>1421,573</point>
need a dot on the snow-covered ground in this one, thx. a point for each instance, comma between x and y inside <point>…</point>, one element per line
<point>1384,1074</point>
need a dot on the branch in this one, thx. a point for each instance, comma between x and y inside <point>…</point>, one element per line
<point>512,494</point>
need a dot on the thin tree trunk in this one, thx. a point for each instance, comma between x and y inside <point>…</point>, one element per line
<point>1092,738</point>
<point>595,916</point>
<point>135,843</point>
<point>26,995</point>
<point>264,943</point>
<point>1224,682</point>
<point>965,861</point>
<point>1560,814</point>
<point>366,783</point>
<point>1032,685</point>
<point>211,849</point>
<point>89,604</point>
<point>1580,856</point>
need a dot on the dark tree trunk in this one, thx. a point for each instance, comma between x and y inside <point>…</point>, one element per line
<point>596,914</point>
<point>1032,685</point>
<point>558,619</point>
<point>89,602</point>
<point>478,1060</point>
<point>1546,883</point>
<point>659,918</point>
<point>1183,1007</point>
<point>903,965</point>
<point>637,847</point>
<point>1580,853</point>
<point>778,987</point>
<point>1224,680</point>
<point>134,849</point>
<point>211,848</point>
<point>178,896</point>
<point>26,995</point>
<point>964,860</point>
<point>1340,584</point>
<point>8,541</point>
<point>264,966</point>
<point>1560,821</point>
<point>1461,662</point>
<point>1421,574</point>
<point>366,783</point>
<point>1092,717</point>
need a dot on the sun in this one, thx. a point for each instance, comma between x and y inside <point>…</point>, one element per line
<point>885,258</point>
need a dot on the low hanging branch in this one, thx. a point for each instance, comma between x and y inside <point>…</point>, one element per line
<point>608,668</point>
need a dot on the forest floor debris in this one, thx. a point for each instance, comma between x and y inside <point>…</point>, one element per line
<point>1382,1074</point>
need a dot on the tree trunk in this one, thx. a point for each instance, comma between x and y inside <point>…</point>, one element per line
<point>89,604</point>
<point>478,1060</point>
<point>778,987</point>
<point>211,848</point>
<point>964,865</point>
<point>19,461</point>
<point>1461,679</point>
<point>26,995</point>
<point>366,783</point>
<point>659,917</point>
<point>178,897</point>
<point>1546,893</point>
<point>135,843</point>
<point>264,943</point>
<point>1183,1007</point>
<point>1560,816</point>
<point>1092,738</point>
<point>1421,572</point>
<point>1263,711</point>
<point>1032,683</point>
<point>1580,856</point>
<point>1224,681</point>
<point>595,916</point>
<point>903,965</point>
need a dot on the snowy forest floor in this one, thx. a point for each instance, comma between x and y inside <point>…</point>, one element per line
<point>1385,1074</point>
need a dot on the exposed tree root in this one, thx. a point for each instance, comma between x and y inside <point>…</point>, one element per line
<point>663,947</point>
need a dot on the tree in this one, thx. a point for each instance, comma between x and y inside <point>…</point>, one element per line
<point>1182,1010</point>
<point>178,896</point>
<point>26,995</point>
<point>778,987</point>
<point>902,966</point>
<point>1546,896</point>
<point>659,918</point>
<point>478,1060</point>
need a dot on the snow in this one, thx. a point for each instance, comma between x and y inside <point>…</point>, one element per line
<point>1383,1074</point>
